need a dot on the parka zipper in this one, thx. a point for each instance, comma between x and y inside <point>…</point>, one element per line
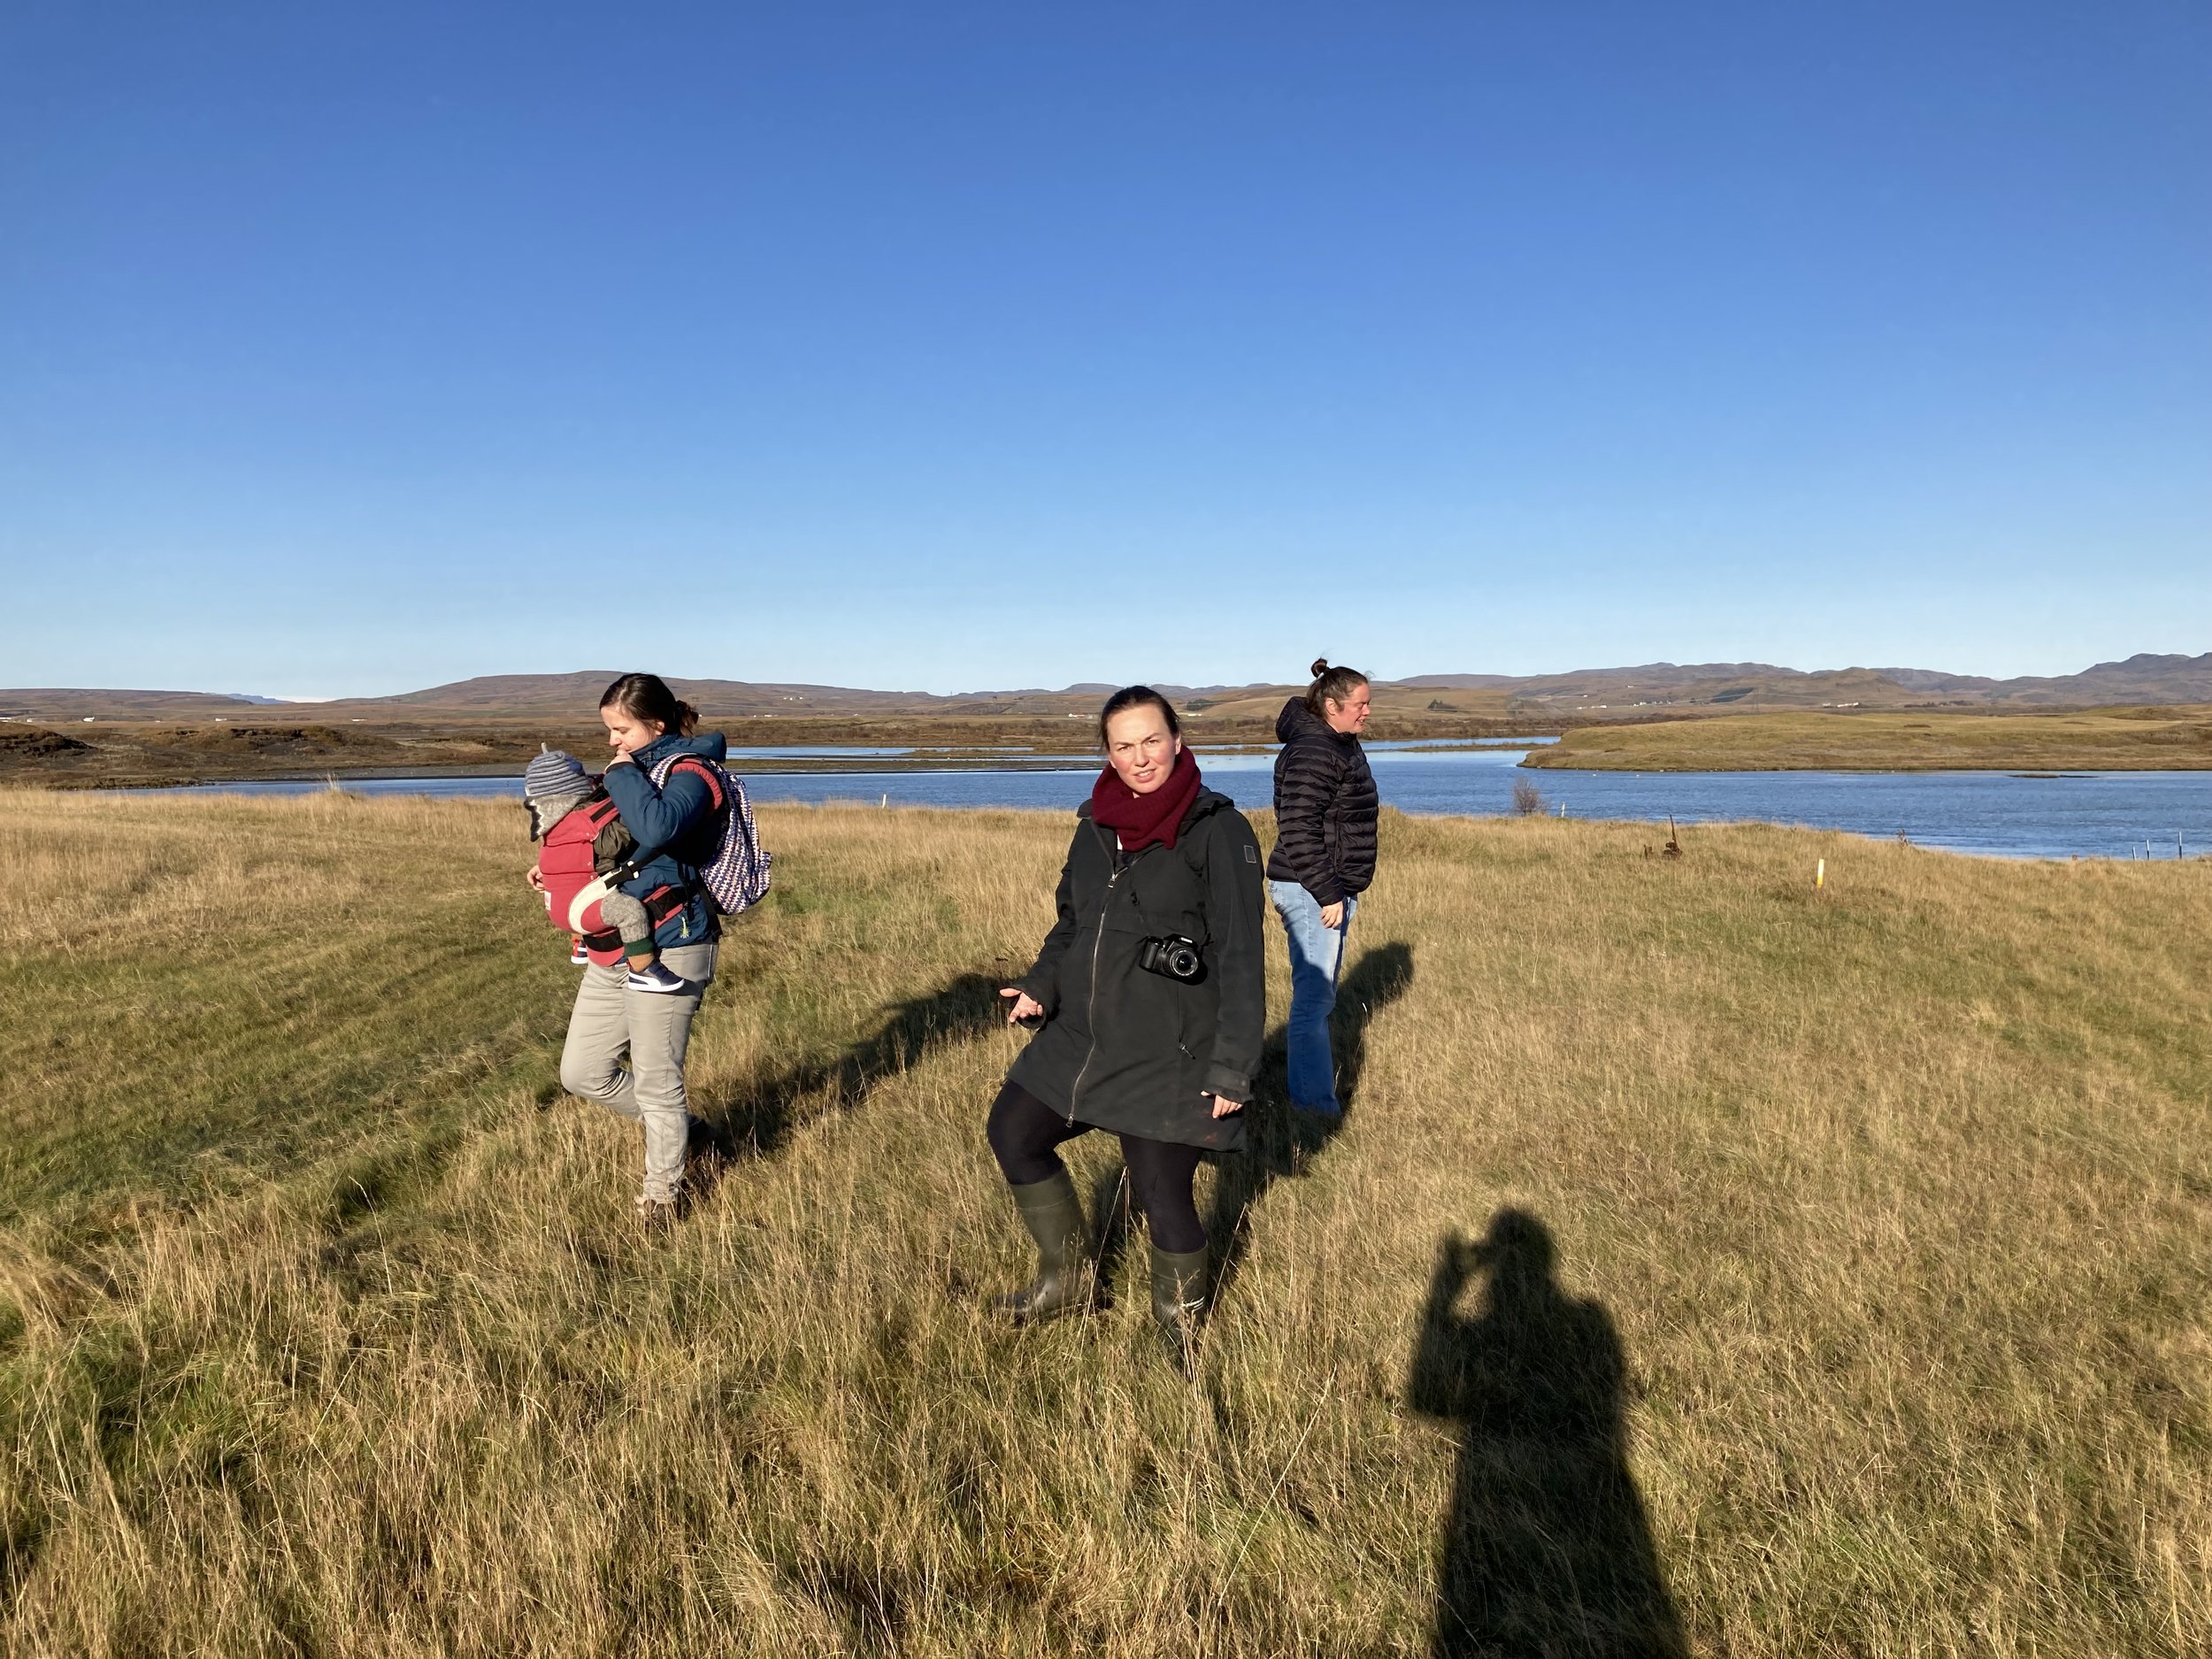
<point>1098,940</point>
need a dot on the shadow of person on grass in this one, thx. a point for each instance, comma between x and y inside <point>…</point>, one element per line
<point>756,1115</point>
<point>1546,1549</point>
<point>1279,1142</point>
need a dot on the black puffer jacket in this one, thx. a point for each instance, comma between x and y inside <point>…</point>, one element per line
<point>1136,1052</point>
<point>1325,807</point>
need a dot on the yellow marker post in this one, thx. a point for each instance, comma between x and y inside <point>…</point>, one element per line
<point>1820,874</point>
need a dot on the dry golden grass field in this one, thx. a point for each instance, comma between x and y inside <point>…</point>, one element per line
<point>1708,1265</point>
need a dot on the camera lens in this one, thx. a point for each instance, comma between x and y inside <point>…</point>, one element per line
<point>1173,956</point>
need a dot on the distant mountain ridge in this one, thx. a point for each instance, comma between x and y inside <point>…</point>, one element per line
<point>1645,690</point>
<point>2146,677</point>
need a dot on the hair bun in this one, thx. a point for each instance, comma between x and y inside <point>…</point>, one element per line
<point>1320,667</point>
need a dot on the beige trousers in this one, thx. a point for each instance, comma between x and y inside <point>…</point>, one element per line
<point>610,1022</point>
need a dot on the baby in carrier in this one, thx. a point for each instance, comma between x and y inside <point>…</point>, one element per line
<point>584,846</point>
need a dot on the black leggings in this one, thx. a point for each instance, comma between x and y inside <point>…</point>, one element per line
<point>1024,1131</point>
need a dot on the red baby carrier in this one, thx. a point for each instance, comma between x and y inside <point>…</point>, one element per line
<point>568,863</point>
<point>733,875</point>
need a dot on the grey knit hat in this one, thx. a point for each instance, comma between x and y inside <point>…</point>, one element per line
<point>555,784</point>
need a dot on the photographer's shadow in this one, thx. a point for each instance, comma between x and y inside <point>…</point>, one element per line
<point>1546,1549</point>
<point>756,1115</point>
<point>1279,1140</point>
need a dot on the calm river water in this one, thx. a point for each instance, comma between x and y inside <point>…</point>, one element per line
<point>2105,814</point>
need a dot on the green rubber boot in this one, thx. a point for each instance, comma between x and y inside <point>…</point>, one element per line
<point>1178,1304</point>
<point>1054,1215</point>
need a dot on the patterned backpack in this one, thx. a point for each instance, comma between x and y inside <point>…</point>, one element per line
<point>735,874</point>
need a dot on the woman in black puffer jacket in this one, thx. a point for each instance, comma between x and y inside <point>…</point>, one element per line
<point>1325,857</point>
<point>1124,1041</point>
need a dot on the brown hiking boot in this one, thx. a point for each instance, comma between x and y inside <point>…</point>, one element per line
<point>656,1212</point>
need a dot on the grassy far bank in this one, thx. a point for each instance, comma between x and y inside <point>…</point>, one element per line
<point>2123,740</point>
<point>1844,1292</point>
<point>105,753</point>
<point>125,754</point>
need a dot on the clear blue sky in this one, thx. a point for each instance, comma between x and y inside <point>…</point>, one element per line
<point>352,349</point>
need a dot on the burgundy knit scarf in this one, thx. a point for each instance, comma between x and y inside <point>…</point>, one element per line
<point>1141,819</point>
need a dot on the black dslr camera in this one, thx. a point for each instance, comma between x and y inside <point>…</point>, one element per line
<point>1174,957</point>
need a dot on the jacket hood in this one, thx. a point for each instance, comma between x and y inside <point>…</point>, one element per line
<point>1296,720</point>
<point>1209,799</point>
<point>706,745</point>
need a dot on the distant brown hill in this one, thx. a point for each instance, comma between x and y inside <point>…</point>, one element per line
<point>1680,687</point>
<point>71,703</point>
<point>1706,687</point>
<point>569,696</point>
<point>1647,691</point>
<point>2144,677</point>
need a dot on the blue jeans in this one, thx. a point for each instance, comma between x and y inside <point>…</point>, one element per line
<point>1316,955</point>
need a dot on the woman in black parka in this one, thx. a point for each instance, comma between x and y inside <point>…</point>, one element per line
<point>1164,1061</point>
<point>1325,808</point>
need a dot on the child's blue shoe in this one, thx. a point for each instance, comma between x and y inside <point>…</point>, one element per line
<point>655,978</point>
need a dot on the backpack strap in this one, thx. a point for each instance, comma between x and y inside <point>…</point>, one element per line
<point>693,763</point>
<point>717,797</point>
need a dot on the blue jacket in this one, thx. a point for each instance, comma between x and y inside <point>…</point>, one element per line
<point>674,828</point>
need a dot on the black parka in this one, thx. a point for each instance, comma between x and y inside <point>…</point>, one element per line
<point>1133,1051</point>
<point>1325,807</point>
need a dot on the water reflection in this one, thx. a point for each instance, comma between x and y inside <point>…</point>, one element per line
<point>2112,815</point>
